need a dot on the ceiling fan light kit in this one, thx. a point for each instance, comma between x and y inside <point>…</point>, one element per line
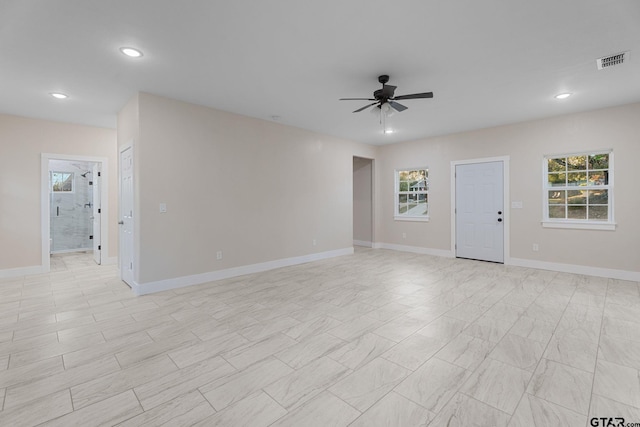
<point>385,102</point>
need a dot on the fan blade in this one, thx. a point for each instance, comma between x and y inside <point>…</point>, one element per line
<point>396,106</point>
<point>365,107</point>
<point>388,90</point>
<point>415,96</point>
<point>356,99</point>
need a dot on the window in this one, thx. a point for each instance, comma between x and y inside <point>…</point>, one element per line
<point>412,194</point>
<point>578,190</point>
<point>61,182</point>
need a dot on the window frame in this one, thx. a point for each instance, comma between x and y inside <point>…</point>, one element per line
<point>73,179</point>
<point>586,224</point>
<point>397,216</point>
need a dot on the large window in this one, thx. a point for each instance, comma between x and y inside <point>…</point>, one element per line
<point>412,194</point>
<point>62,182</point>
<point>578,190</point>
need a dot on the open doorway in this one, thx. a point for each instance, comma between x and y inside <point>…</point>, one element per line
<point>74,206</point>
<point>363,202</point>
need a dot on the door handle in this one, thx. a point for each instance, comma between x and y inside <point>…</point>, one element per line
<point>120,222</point>
<point>499,212</point>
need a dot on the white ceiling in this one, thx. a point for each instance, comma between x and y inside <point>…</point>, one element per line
<point>488,62</point>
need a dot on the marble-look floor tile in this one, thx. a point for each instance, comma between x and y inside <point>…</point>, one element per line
<point>414,351</point>
<point>312,327</point>
<point>353,329</point>
<point>433,384</point>
<point>188,355</point>
<point>562,385</point>
<point>573,352</point>
<point>250,353</point>
<point>466,312</point>
<point>497,384</point>
<point>303,384</point>
<point>623,329</point>
<point>394,410</point>
<point>464,411</point>
<point>257,410</point>
<point>539,330</point>
<point>367,385</point>
<point>536,412</point>
<point>520,352</point>
<point>323,410</point>
<point>107,412</point>
<point>31,372</point>
<point>466,351</point>
<point>168,387</point>
<point>580,322</point>
<point>488,328</point>
<point>361,350</point>
<point>267,328</point>
<point>238,385</point>
<point>445,328</point>
<point>184,410</point>
<point>619,351</point>
<point>603,407</point>
<point>309,350</point>
<point>399,328</point>
<point>616,382</point>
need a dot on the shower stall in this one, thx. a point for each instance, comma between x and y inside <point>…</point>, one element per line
<point>71,206</point>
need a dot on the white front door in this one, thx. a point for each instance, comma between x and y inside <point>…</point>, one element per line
<point>126,215</point>
<point>480,211</point>
<point>97,213</point>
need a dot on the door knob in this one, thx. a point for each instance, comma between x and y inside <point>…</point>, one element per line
<point>499,219</point>
<point>120,222</point>
<point>499,212</point>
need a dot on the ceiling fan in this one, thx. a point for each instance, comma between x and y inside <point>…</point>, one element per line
<point>386,96</point>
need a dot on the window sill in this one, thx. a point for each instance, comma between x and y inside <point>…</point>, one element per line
<point>610,226</point>
<point>411,218</point>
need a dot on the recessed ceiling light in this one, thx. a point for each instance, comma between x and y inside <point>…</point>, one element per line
<point>131,52</point>
<point>388,131</point>
<point>563,96</point>
<point>58,95</point>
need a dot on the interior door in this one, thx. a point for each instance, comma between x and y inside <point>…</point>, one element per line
<point>126,215</point>
<point>479,211</point>
<point>97,213</point>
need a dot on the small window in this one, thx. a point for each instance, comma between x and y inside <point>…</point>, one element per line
<point>578,190</point>
<point>62,182</point>
<point>412,194</point>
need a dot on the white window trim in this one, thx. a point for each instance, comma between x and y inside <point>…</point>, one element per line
<point>396,214</point>
<point>579,224</point>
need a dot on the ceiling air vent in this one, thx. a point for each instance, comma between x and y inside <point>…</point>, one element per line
<point>612,60</point>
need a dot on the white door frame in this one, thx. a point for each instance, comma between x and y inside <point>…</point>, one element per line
<point>45,200</point>
<point>506,215</point>
<point>122,149</point>
<point>373,201</point>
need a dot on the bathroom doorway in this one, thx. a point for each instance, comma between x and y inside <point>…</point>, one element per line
<point>73,206</point>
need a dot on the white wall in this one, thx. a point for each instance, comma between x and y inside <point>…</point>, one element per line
<point>526,144</point>
<point>258,191</point>
<point>22,141</point>
<point>362,200</point>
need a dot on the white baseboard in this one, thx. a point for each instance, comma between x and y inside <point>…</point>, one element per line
<point>70,251</point>
<point>586,270</point>
<point>22,271</point>
<point>415,250</point>
<point>362,243</point>
<point>197,279</point>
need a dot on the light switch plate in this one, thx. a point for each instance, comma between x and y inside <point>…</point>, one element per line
<point>163,207</point>
<point>516,205</point>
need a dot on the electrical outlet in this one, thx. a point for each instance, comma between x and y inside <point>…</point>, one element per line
<point>536,248</point>
<point>314,242</point>
<point>219,255</point>
<point>163,208</point>
<point>404,235</point>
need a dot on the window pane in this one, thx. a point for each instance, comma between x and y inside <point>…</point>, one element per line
<point>600,213</point>
<point>598,197</point>
<point>577,178</point>
<point>422,197</point>
<point>557,212</point>
<point>557,165</point>
<point>403,175</point>
<point>557,179</point>
<point>599,161</point>
<point>598,177</point>
<point>402,198</point>
<point>577,163</point>
<point>402,208</point>
<point>403,186</point>
<point>577,212</point>
<point>576,197</point>
<point>557,197</point>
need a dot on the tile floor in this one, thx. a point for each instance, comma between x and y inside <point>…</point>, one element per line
<point>379,338</point>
